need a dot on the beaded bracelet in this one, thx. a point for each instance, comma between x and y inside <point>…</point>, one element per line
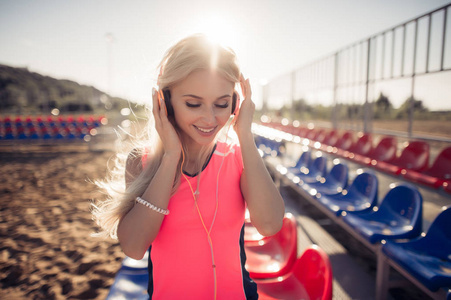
<point>152,207</point>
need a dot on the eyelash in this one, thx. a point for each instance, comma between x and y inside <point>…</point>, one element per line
<point>198,105</point>
<point>192,105</point>
<point>223,105</point>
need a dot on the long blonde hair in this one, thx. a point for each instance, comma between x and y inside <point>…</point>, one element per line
<point>192,53</point>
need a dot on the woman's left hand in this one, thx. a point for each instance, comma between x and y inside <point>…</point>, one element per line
<point>245,115</point>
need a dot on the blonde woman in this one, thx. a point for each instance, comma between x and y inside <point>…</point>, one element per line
<point>186,191</point>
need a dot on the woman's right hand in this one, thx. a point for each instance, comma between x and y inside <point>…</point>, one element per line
<point>165,129</point>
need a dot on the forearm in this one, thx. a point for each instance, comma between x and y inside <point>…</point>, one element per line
<point>140,226</point>
<point>265,204</point>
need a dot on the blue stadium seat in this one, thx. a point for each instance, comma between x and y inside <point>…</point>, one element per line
<point>302,162</point>
<point>9,135</point>
<point>427,258</point>
<point>334,182</point>
<point>268,146</point>
<point>361,196</point>
<point>56,134</point>
<point>314,172</point>
<point>398,217</point>
<point>7,122</point>
<point>33,134</point>
<point>131,281</point>
<point>21,135</point>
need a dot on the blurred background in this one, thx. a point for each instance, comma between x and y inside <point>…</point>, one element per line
<point>74,75</point>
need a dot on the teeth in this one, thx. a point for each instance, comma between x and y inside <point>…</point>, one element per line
<point>205,130</point>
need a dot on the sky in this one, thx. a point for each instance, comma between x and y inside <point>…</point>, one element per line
<point>69,39</point>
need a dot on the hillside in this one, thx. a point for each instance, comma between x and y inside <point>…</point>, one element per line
<point>26,92</point>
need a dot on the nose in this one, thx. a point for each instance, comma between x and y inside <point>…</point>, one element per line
<point>209,116</point>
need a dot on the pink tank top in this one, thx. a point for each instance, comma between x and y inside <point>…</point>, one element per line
<point>180,254</point>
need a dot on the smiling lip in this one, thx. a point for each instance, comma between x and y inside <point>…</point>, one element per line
<point>205,131</point>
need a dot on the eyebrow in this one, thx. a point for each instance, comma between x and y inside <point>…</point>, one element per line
<point>200,98</point>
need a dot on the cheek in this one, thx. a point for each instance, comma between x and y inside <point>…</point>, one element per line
<point>223,117</point>
<point>182,114</point>
<point>181,119</point>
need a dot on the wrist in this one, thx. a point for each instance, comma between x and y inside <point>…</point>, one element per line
<point>172,156</point>
<point>245,137</point>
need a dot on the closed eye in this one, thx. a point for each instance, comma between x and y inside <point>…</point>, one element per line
<point>192,105</point>
<point>222,105</point>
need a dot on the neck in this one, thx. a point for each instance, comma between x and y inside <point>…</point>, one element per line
<point>195,159</point>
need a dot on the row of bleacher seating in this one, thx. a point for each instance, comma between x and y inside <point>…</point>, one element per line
<point>49,127</point>
<point>412,163</point>
<point>355,208</point>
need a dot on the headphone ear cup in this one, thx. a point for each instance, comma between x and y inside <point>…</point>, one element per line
<point>235,103</point>
<point>167,101</point>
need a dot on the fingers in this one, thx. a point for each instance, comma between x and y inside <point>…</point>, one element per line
<point>158,101</point>
<point>155,103</point>
<point>159,107</point>
<point>242,84</point>
<point>163,109</point>
<point>245,87</point>
<point>248,89</point>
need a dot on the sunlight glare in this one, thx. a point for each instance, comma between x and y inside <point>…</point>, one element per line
<point>218,30</point>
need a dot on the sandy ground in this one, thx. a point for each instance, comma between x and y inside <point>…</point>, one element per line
<point>46,251</point>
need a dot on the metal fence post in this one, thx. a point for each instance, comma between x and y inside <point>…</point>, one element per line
<point>366,108</point>
<point>412,91</point>
<point>335,108</point>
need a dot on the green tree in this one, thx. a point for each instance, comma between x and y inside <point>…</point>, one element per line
<point>419,110</point>
<point>383,109</point>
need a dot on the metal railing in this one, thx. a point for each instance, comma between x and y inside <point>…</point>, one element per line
<point>398,61</point>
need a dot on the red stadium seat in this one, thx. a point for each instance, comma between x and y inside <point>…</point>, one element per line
<point>415,156</point>
<point>385,150</point>
<point>251,234</point>
<point>274,256</point>
<point>362,147</point>
<point>301,132</point>
<point>290,129</point>
<point>344,143</point>
<point>310,278</point>
<point>447,186</point>
<point>330,140</point>
<point>321,136</point>
<point>311,134</point>
<point>436,175</point>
